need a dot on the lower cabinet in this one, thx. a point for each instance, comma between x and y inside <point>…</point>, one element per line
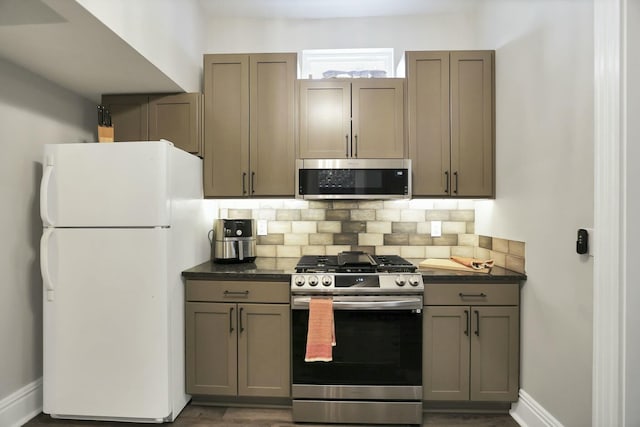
<point>237,343</point>
<point>471,344</point>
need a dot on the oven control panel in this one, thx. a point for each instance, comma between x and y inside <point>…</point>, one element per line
<point>357,282</point>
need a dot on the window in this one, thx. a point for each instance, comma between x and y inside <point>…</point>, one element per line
<point>358,63</point>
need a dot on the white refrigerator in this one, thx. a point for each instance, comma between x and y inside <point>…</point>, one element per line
<point>121,221</point>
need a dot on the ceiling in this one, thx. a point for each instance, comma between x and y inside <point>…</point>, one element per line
<point>323,9</point>
<point>65,43</point>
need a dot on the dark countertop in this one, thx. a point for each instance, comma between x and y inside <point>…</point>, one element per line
<point>281,269</point>
<point>264,269</point>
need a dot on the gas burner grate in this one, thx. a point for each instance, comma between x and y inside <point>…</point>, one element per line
<point>394,263</point>
<point>331,264</point>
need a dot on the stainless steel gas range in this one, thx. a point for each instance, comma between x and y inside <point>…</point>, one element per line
<point>375,375</point>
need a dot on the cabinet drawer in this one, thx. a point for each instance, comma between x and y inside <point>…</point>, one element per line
<point>235,291</point>
<point>471,294</point>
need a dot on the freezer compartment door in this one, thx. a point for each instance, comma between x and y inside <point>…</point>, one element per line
<point>106,323</point>
<point>106,185</point>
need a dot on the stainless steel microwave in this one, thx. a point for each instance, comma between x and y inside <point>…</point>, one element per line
<point>353,179</point>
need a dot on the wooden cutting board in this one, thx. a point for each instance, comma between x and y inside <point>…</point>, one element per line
<point>447,264</point>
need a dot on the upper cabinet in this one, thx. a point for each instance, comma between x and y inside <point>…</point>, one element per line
<point>144,117</point>
<point>249,122</point>
<point>361,118</point>
<point>325,119</point>
<point>451,116</point>
<point>177,118</point>
<point>129,115</point>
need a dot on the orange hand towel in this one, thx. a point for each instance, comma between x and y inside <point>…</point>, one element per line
<point>475,263</point>
<point>321,331</point>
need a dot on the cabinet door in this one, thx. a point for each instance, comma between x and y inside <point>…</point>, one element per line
<point>445,367</point>
<point>495,353</point>
<point>211,348</point>
<point>272,127</point>
<point>325,119</point>
<point>472,124</point>
<point>177,118</point>
<point>377,118</point>
<point>129,116</point>
<point>264,350</point>
<point>428,122</point>
<point>226,115</point>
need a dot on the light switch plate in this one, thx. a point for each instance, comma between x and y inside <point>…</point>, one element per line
<point>262,227</point>
<point>436,228</point>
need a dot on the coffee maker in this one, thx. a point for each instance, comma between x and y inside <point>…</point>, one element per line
<point>234,240</point>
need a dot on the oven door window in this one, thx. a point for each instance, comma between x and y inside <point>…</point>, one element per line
<point>373,347</point>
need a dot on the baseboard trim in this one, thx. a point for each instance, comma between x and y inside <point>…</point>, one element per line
<point>529,413</point>
<point>22,405</point>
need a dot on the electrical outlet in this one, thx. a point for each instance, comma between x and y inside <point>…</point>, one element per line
<point>262,227</point>
<point>436,228</point>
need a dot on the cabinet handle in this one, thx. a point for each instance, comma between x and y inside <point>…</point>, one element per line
<point>231,320</point>
<point>466,315</point>
<point>477,313</point>
<point>455,175</point>
<point>242,327</point>
<point>446,182</point>
<point>253,185</point>
<point>346,139</point>
<point>241,293</point>
<point>356,145</point>
<point>480,295</point>
<point>244,187</point>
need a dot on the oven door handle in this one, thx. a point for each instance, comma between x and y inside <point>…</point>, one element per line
<point>363,303</point>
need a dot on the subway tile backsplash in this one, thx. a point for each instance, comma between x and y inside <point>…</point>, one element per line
<point>298,227</point>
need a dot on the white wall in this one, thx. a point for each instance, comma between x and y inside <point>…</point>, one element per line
<point>168,33</point>
<point>447,31</point>
<point>545,173</point>
<point>33,112</point>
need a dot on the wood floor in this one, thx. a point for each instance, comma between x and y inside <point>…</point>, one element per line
<point>211,416</point>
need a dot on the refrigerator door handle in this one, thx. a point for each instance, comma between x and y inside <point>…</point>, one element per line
<point>44,262</point>
<point>44,192</point>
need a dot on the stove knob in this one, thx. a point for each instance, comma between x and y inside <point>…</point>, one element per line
<point>326,280</point>
<point>414,280</point>
<point>299,280</point>
<point>313,280</point>
<point>400,280</point>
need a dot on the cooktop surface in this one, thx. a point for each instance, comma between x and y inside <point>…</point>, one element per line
<point>354,262</point>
